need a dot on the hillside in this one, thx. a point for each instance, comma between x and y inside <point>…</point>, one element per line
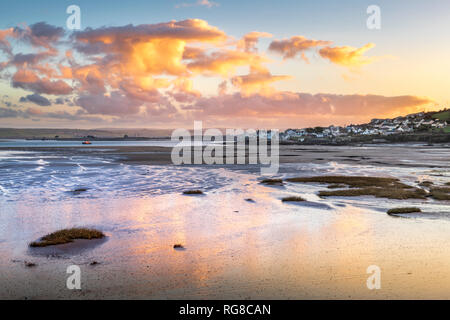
<point>421,126</point>
<point>444,116</point>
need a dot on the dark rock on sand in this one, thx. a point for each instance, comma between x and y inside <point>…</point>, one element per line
<point>179,247</point>
<point>193,192</point>
<point>404,210</point>
<point>30,264</point>
<point>272,182</point>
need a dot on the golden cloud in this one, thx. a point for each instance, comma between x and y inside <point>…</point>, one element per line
<point>258,80</point>
<point>224,62</point>
<point>348,56</point>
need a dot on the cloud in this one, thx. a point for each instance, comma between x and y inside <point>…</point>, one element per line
<point>46,32</point>
<point>347,56</point>
<point>183,90</point>
<point>224,62</point>
<point>205,3</point>
<point>222,88</point>
<point>11,113</point>
<point>36,99</point>
<point>5,46</point>
<point>116,38</point>
<point>143,92</point>
<point>62,115</point>
<point>90,78</point>
<point>250,40</point>
<point>296,107</point>
<point>28,80</point>
<point>258,80</point>
<point>139,52</point>
<point>114,104</point>
<point>40,34</point>
<point>295,46</point>
<point>6,102</point>
<point>21,60</point>
<point>65,101</point>
<point>148,73</point>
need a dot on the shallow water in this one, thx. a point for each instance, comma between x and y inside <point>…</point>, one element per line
<point>234,248</point>
<point>45,177</point>
<point>58,143</point>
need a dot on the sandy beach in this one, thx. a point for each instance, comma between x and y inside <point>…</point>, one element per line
<point>234,247</point>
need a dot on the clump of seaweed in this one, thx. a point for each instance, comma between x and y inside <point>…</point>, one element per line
<point>272,181</point>
<point>178,246</point>
<point>447,183</point>
<point>426,184</point>
<point>378,192</point>
<point>351,181</point>
<point>379,187</point>
<point>440,193</point>
<point>336,186</point>
<point>293,199</point>
<point>404,210</point>
<point>193,192</point>
<point>66,236</point>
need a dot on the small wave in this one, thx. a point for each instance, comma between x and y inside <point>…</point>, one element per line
<point>42,162</point>
<point>3,190</point>
<point>81,169</point>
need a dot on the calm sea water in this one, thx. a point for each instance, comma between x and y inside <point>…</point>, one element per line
<point>56,143</point>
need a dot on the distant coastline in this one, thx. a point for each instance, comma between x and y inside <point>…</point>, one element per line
<point>422,127</point>
<point>428,127</point>
<point>101,139</point>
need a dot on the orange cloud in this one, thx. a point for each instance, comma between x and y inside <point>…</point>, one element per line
<point>291,48</point>
<point>249,41</point>
<point>5,46</point>
<point>183,90</point>
<point>258,80</point>
<point>347,56</point>
<point>28,80</point>
<point>147,49</point>
<point>224,62</point>
<point>190,53</point>
<point>90,78</point>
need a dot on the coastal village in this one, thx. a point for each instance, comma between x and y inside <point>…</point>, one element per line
<point>417,123</point>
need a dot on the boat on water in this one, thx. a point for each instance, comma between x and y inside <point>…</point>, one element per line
<point>87,142</point>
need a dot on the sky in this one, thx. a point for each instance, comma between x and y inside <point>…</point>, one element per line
<point>251,64</point>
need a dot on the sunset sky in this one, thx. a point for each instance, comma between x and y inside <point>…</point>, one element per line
<point>252,64</point>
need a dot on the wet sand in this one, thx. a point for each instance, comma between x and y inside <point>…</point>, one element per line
<point>412,155</point>
<point>234,249</point>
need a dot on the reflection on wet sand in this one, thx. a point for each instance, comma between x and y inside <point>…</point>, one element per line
<point>265,249</point>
